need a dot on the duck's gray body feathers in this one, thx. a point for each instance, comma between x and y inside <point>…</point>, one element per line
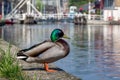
<point>46,52</point>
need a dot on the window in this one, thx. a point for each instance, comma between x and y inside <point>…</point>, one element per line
<point>108,3</point>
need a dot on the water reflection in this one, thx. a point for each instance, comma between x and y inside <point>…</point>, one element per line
<point>1,32</point>
<point>94,48</point>
<point>29,35</point>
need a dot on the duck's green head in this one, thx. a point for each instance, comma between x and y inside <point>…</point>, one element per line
<point>57,34</point>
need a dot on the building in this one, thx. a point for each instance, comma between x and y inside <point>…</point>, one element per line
<point>111,10</point>
<point>53,6</point>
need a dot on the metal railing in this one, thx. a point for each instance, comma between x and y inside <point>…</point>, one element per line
<point>96,17</point>
<point>62,16</point>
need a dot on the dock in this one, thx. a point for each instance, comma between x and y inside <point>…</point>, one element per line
<point>37,69</point>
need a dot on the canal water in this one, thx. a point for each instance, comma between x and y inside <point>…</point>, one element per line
<point>94,53</point>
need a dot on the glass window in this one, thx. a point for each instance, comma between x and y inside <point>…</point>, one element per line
<point>108,3</point>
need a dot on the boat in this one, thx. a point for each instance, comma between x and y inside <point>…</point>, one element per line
<point>9,21</point>
<point>30,20</point>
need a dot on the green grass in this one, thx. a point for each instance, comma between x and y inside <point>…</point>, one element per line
<point>9,67</point>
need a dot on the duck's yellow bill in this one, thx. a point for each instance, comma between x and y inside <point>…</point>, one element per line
<point>65,36</point>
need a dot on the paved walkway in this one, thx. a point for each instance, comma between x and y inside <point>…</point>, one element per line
<point>36,70</point>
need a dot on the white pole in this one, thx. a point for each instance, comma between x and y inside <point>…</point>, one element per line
<point>33,2</point>
<point>2,9</point>
<point>57,8</point>
<point>89,11</point>
<point>28,7</point>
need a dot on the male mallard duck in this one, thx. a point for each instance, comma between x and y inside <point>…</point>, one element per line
<point>48,51</point>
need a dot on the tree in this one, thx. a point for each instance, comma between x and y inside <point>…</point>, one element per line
<point>78,3</point>
<point>39,5</point>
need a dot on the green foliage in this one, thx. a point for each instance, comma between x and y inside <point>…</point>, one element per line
<point>39,5</point>
<point>78,3</point>
<point>9,67</point>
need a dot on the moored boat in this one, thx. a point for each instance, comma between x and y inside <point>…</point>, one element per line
<point>9,22</point>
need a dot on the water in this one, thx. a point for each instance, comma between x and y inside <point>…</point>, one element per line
<point>94,54</point>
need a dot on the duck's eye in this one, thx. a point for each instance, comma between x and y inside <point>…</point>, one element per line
<point>60,34</point>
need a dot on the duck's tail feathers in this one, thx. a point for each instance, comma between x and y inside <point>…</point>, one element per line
<point>21,55</point>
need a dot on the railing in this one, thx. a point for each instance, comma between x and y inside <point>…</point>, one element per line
<point>62,16</point>
<point>56,16</point>
<point>96,17</point>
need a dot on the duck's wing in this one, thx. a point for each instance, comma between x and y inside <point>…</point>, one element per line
<point>50,55</point>
<point>24,50</point>
<point>38,49</point>
<point>59,51</point>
